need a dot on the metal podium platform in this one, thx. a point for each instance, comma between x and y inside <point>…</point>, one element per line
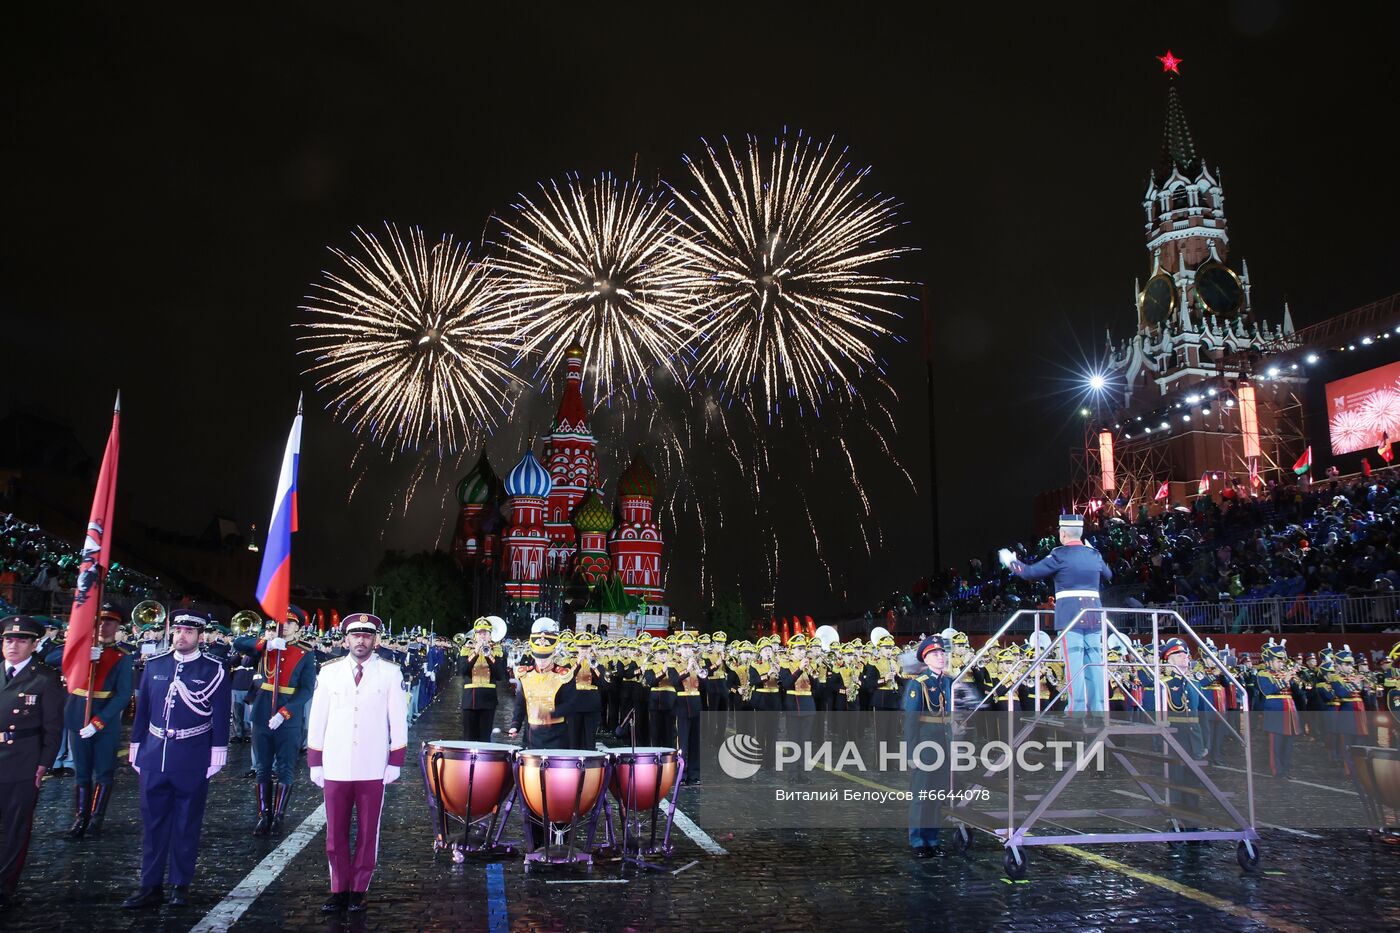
<point>1145,744</point>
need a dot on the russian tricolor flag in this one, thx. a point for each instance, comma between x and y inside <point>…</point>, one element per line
<point>275,580</point>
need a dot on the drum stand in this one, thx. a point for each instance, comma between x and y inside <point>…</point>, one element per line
<point>548,854</point>
<point>494,822</point>
<point>633,851</point>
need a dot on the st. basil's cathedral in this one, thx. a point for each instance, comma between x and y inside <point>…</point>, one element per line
<point>547,526</point>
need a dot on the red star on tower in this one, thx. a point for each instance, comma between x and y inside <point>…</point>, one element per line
<point>1170,63</point>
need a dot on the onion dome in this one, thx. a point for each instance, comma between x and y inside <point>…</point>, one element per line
<point>637,479</point>
<point>573,352</point>
<point>593,517</point>
<point>480,485</point>
<point>528,478</point>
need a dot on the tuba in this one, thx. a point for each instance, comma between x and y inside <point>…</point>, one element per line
<point>148,613</point>
<point>245,622</point>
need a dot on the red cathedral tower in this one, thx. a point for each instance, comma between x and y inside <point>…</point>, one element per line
<point>525,541</point>
<point>570,457</point>
<point>635,542</point>
<point>477,494</point>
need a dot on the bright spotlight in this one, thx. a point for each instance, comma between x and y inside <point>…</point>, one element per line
<point>1096,382</point>
<point>1273,372</point>
<point>1312,358</point>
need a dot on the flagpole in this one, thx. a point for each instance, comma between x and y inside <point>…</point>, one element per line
<point>97,622</point>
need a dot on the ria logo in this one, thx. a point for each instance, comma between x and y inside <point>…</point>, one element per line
<point>740,756</point>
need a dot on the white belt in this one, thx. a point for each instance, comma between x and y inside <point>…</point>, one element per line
<point>1077,594</point>
<point>160,733</point>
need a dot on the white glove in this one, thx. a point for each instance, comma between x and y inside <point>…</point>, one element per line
<point>391,774</point>
<point>275,721</point>
<point>276,644</point>
<point>432,675</point>
<point>1006,556</point>
<point>318,777</point>
<point>217,758</point>
<point>131,756</point>
<point>88,731</point>
<point>97,652</point>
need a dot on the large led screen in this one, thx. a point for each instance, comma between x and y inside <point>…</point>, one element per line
<point>1361,408</point>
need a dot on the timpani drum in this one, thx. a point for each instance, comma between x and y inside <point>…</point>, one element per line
<point>643,777</point>
<point>560,788</point>
<point>466,781</point>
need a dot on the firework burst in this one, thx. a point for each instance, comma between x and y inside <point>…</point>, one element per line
<point>1350,430</point>
<point>1382,411</point>
<point>595,263</point>
<point>406,339</point>
<point>787,243</point>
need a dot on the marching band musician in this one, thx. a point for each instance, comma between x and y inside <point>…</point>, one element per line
<point>881,678</point>
<point>1279,707</point>
<point>689,677</point>
<point>1348,694</point>
<point>1078,570</point>
<point>1184,703</point>
<point>356,745</point>
<point>661,698</point>
<point>796,678</point>
<point>179,740</point>
<point>927,704</point>
<point>94,736</point>
<point>481,666</point>
<point>589,677</point>
<point>288,674</point>
<point>763,678</point>
<point>29,740</point>
<point>546,696</point>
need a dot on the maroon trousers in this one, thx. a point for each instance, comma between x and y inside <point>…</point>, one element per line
<point>352,872</point>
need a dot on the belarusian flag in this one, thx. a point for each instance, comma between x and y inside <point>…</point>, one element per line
<point>1384,449</point>
<point>1203,486</point>
<point>1163,493</point>
<point>1304,463</point>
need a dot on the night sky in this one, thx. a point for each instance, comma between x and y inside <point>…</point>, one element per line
<point>174,180</point>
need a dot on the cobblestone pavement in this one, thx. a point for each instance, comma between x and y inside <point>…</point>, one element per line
<point>771,880</point>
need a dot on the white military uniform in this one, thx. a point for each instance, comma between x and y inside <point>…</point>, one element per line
<point>357,733</point>
<point>357,728</point>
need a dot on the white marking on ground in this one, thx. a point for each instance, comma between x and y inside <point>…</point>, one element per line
<point>226,913</point>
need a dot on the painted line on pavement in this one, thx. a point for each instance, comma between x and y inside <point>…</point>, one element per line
<point>1335,790</point>
<point>687,825</point>
<point>226,913</point>
<point>1190,893</point>
<point>697,835</point>
<point>685,866</point>
<point>1282,829</point>
<point>497,918</point>
<point>589,881</point>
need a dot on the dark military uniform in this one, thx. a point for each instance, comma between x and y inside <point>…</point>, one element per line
<point>294,673</point>
<point>480,673</point>
<point>31,728</point>
<point>95,758</point>
<point>927,704</point>
<point>178,739</point>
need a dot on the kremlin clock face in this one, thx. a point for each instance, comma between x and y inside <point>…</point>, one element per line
<point>1158,299</point>
<point>1219,289</point>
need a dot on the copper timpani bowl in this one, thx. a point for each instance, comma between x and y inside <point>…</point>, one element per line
<point>642,777</point>
<point>470,778</point>
<point>566,782</point>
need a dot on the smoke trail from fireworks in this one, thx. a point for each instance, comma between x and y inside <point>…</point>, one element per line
<point>787,241</point>
<point>406,339</point>
<point>595,263</point>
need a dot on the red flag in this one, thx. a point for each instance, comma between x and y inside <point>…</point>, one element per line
<point>1203,486</point>
<point>92,572</point>
<point>1163,493</point>
<point>1384,449</point>
<point>1254,479</point>
<point>1304,463</point>
<point>1365,467</point>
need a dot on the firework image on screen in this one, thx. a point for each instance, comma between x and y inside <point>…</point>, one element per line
<point>1361,408</point>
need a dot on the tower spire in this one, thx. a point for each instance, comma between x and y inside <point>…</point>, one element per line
<point>1178,148</point>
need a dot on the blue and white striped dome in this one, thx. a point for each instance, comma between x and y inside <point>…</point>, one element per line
<point>528,478</point>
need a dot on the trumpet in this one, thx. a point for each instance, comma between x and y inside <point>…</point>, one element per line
<point>149,612</point>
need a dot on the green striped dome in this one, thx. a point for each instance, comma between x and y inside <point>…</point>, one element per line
<point>637,479</point>
<point>593,516</point>
<point>479,486</point>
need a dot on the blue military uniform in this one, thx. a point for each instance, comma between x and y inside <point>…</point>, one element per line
<point>1280,709</point>
<point>179,738</point>
<point>928,704</point>
<point>1078,570</point>
<point>288,678</point>
<point>95,757</point>
<point>1184,703</point>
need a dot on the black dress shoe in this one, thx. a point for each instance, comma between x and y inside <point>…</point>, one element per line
<point>336,903</point>
<point>146,897</point>
<point>357,902</point>
<point>180,895</point>
<point>923,852</point>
